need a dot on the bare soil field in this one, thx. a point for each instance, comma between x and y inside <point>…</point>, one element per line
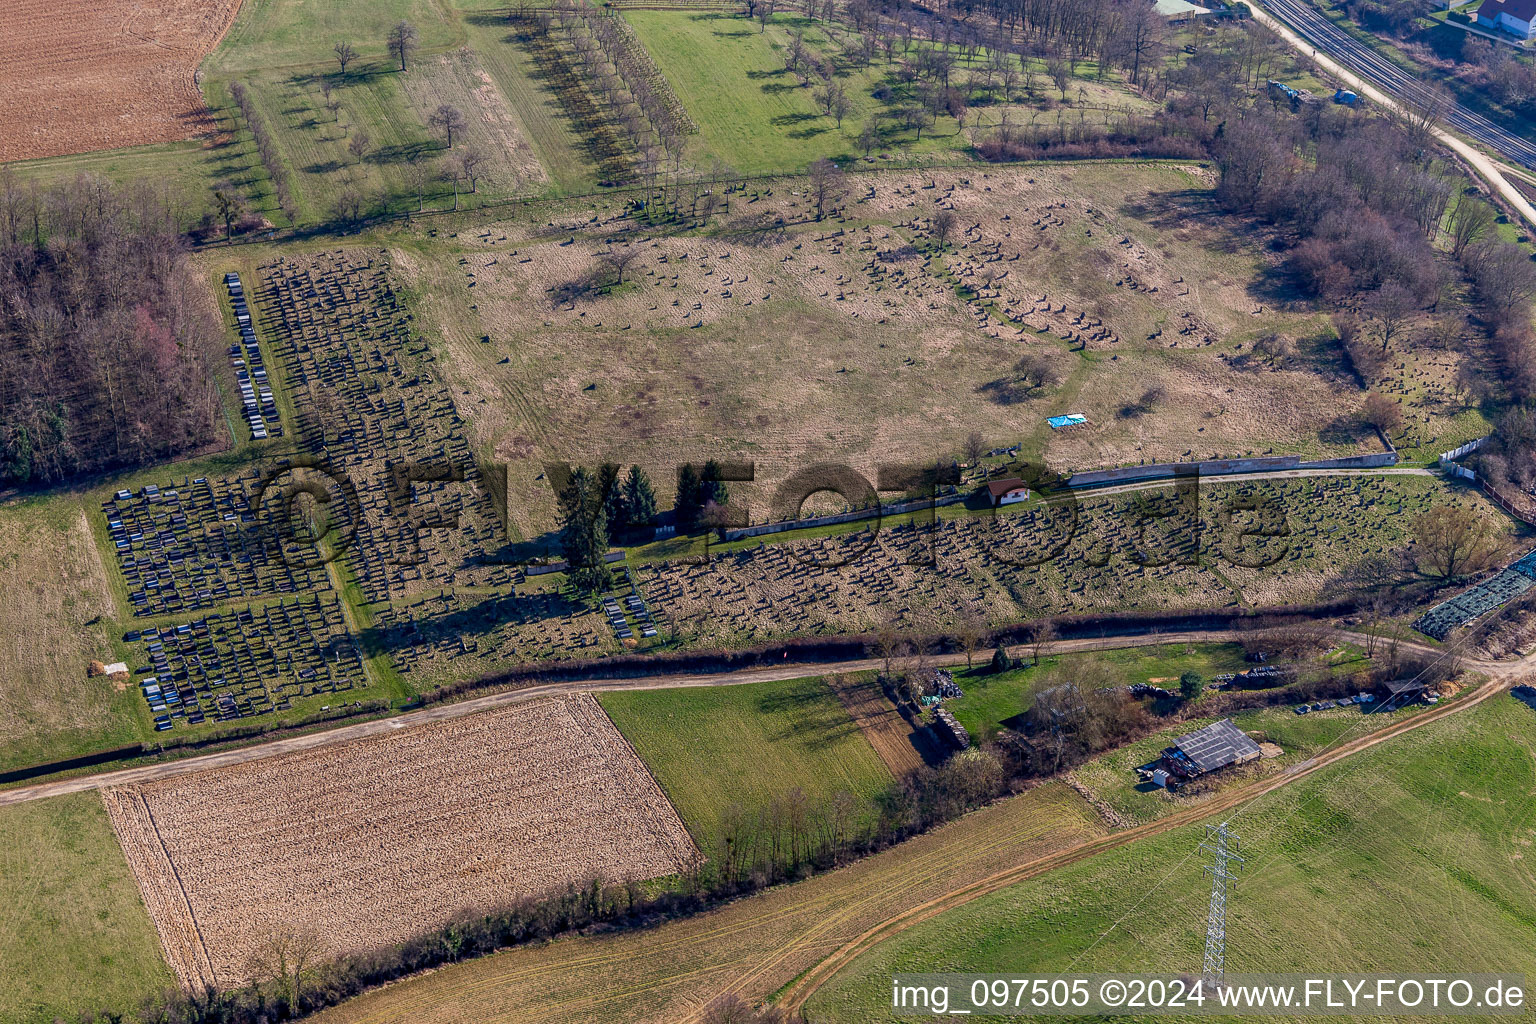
<point>855,339</point>
<point>752,947</point>
<point>370,842</point>
<point>103,74</point>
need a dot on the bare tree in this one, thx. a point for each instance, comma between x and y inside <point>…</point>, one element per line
<point>402,41</point>
<point>1451,541</point>
<point>971,630</point>
<point>447,119</point>
<point>827,185</point>
<point>469,160</point>
<point>1382,413</point>
<point>973,448</point>
<point>358,145</point>
<point>1392,307</point>
<point>345,54</point>
<point>1034,371</point>
<point>869,138</point>
<point>619,259</point>
<point>418,174</point>
<point>1041,634</point>
<point>943,224</point>
<point>1471,219</point>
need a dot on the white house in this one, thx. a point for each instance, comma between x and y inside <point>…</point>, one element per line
<point>1512,16</point>
<point>1007,492</point>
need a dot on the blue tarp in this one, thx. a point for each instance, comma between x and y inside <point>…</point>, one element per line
<point>1069,420</point>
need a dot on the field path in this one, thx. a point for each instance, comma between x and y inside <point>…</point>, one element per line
<point>668,681</point>
<point>795,995</point>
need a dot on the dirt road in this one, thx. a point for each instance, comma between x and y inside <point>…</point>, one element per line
<point>796,994</point>
<point>443,712</point>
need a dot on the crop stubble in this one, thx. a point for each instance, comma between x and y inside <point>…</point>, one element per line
<point>368,843</point>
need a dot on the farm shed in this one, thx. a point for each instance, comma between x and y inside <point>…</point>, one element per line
<point>1007,491</point>
<point>1404,689</point>
<point>1219,745</point>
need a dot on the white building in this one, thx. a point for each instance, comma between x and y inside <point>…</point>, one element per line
<point>1512,16</point>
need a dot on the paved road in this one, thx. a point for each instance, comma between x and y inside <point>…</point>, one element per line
<point>1321,33</point>
<point>444,712</point>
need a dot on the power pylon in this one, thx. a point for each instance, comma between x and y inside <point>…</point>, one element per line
<point>1222,845</point>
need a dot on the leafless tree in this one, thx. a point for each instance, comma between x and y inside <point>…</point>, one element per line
<point>1450,541</point>
<point>358,145</point>
<point>402,42</point>
<point>828,185</point>
<point>1471,219</point>
<point>619,259</point>
<point>447,119</point>
<point>418,175</point>
<point>943,224</point>
<point>1393,307</point>
<point>1382,413</point>
<point>345,54</point>
<point>469,160</point>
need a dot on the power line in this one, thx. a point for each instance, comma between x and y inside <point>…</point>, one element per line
<point>1222,845</point>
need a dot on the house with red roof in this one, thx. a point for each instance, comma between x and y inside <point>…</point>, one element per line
<point>1513,16</point>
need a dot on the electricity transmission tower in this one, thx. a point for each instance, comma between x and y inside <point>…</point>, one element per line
<point>1223,846</point>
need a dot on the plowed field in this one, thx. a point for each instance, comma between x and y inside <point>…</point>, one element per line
<point>103,74</point>
<point>370,842</point>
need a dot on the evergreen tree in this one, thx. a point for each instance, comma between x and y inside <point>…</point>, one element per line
<point>1191,685</point>
<point>584,531</point>
<point>688,502</point>
<point>711,487</point>
<point>611,491</point>
<point>639,499</point>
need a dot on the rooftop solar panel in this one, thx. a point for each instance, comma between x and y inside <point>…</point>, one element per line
<point>1217,745</point>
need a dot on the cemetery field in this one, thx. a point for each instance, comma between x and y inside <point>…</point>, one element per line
<point>1326,537</point>
<point>224,863</point>
<point>73,915</point>
<point>1436,825</point>
<point>752,946</point>
<point>750,746</point>
<point>738,342</point>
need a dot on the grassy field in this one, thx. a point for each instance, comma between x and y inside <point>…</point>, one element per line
<point>184,171</point>
<point>752,946</point>
<point>711,747</point>
<point>755,114</point>
<point>287,33</point>
<point>1412,853</point>
<point>993,698</point>
<point>75,935</point>
<point>546,126</point>
<point>57,614</point>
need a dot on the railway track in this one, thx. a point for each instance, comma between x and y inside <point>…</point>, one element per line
<point>1311,25</point>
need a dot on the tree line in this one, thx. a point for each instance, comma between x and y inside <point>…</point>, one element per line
<point>106,333</point>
